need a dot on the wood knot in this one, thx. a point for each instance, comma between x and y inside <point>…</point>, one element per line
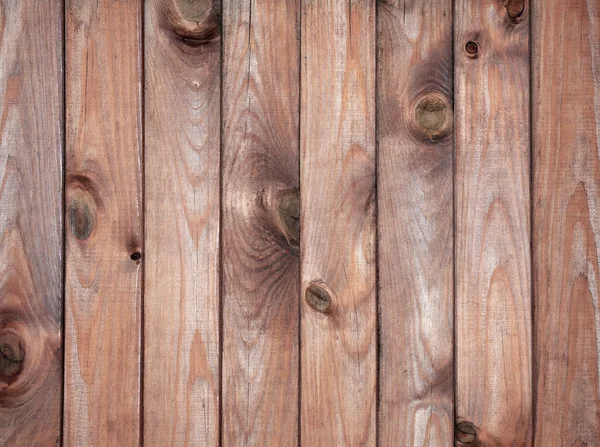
<point>288,216</point>
<point>81,221</point>
<point>136,256</point>
<point>465,434</point>
<point>318,298</point>
<point>432,117</point>
<point>472,48</point>
<point>193,22</point>
<point>12,356</point>
<point>515,8</point>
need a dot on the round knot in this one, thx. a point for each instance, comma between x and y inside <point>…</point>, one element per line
<point>318,298</point>
<point>12,357</point>
<point>432,117</point>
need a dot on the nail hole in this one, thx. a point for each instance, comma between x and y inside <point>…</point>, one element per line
<point>136,256</point>
<point>471,47</point>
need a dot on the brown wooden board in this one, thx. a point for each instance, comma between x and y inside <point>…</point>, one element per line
<point>103,222</point>
<point>181,292</point>
<point>415,225</point>
<point>31,119</point>
<point>566,238</point>
<point>261,264</point>
<point>337,161</point>
<point>492,183</point>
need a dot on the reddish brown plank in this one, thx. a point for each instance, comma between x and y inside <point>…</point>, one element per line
<point>337,166</point>
<point>181,293</point>
<point>415,201</point>
<point>261,274</point>
<point>104,222</point>
<point>492,183</point>
<point>31,115</point>
<point>566,198</point>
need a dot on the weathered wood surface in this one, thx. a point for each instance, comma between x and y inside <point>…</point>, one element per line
<point>103,222</point>
<point>566,238</point>
<point>261,264</point>
<point>492,182</point>
<point>415,226</point>
<point>337,171</point>
<point>31,115</point>
<point>181,294</point>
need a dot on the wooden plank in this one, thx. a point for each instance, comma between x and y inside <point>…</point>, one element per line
<point>104,222</point>
<point>31,115</point>
<point>181,295</point>
<point>337,166</point>
<point>261,264</point>
<point>493,261</point>
<point>415,209</point>
<point>566,197</point>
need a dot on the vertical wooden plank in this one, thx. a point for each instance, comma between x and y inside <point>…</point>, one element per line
<point>104,222</point>
<point>566,143</point>
<point>337,166</point>
<point>415,209</point>
<point>31,115</point>
<point>182,122</point>
<point>493,261</point>
<point>261,264</point>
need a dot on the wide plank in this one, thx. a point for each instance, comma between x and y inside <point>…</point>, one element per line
<point>415,223</point>
<point>566,221</point>
<point>104,236</point>
<point>31,243</point>
<point>492,184</point>
<point>338,223</point>
<point>181,289</point>
<point>261,263</point>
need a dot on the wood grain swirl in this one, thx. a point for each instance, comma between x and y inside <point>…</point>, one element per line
<point>492,183</point>
<point>261,274</point>
<point>31,110</point>
<point>566,201</point>
<point>104,222</point>
<point>181,290</point>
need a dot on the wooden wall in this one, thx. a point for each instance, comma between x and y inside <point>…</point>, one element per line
<point>300,222</point>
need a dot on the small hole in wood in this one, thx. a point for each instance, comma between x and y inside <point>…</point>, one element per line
<point>472,48</point>
<point>136,256</point>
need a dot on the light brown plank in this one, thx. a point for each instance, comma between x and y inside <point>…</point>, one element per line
<point>415,202</point>
<point>261,264</point>
<point>337,166</point>
<point>182,115</point>
<point>566,198</point>
<point>104,222</point>
<point>31,115</point>
<point>493,261</point>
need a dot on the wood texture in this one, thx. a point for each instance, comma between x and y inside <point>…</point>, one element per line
<point>182,115</point>
<point>338,312</point>
<point>566,198</point>
<point>261,264</point>
<point>493,261</point>
<point>31,111</point>
<point>415,201</point>
<point>104,222</point>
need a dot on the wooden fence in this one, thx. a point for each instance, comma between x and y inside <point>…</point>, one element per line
<point>284,222</point>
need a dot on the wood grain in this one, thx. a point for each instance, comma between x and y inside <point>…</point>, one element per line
<point>181,295</point>
<point>104,222</point>
<point>415,209</point>
<point>492,183</point>
<point>337,166</point>
<point>566,198</point>
<point>31,111</point>
<point>261,264</point>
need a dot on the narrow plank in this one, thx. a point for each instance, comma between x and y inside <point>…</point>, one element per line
<point>261,264</point>
<point>337,166</point>
<point>415,209</point>
<point>181,295</point>
<point>104,222</point>
<point>30,222</point>
<point>566,197</point>
<point>493,261</point>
